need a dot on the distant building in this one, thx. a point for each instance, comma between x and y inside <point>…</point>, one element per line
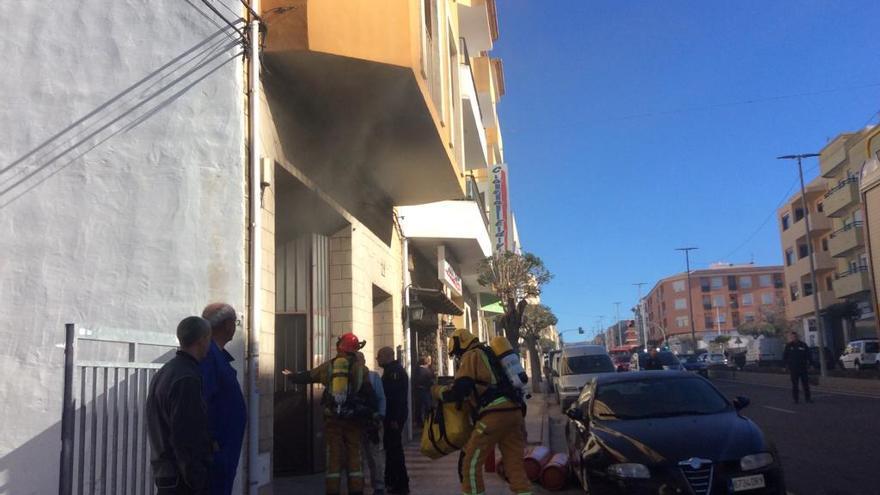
<point>723,296</point>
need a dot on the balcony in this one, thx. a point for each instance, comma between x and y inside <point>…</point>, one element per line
<point>368,92</point>
<point>819,224</point>
<point>474,132</point>
<point>489,81</point>
<point>801,267</point>
<point>852,282</point>
<point>845,240</point>
<point>833,157</point>
<point>803,306</point>
<point>842,196</point>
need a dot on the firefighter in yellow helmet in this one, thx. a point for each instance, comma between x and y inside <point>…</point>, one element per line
<point>349,405</point>
<point>500,408</point>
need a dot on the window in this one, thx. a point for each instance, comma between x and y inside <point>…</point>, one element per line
<point>794,291</point>
<point>707,302</point>
<point>745,282</point>
<point>829,283</point>
<point>778,281</point>
<point>704,284</point>
<point>786,221</point>
<point>749,317</point>
<point>581,365</point>
<point>722,317</point>
<point>798,214</point>
<point>681,303</point>
<point>717,282</point>
<point>681,322</point>
<point>767,298</point>
<point>765,281</point>
<point>736,320</point>
<point>718,302</point>
<point>789,256</point>
<point>820,207</point>
<point>710,323</point>
<point>731,282</point>
<point>803,251</point>
<point>678,286</point>
<point>733,301</point>
<point>824,244</point>
<point>808,288</point>
<point>748,300</point>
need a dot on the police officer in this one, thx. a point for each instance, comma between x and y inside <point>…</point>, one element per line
<point>499,420</point>
<point>797,359</point>
<point>349,405</point>
<point>395,382</point>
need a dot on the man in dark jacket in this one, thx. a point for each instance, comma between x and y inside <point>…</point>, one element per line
<point>227,412</point>
<point>797,359</point>
<point>396,384</point>
<point>177,422</point>
<point>652,361</point>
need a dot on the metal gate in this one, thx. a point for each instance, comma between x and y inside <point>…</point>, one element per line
<point>107,373</point>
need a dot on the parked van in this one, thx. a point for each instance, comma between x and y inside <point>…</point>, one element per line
<point>765,351</point>
<point>578,365</point>
<point>860,354</point>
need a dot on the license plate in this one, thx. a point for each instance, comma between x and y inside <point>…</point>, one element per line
<point>748,483</point>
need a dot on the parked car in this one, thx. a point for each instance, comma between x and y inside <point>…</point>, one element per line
<point>715,359</point>
<point>830,361</point>
<point>667,359</point>
<point>860,354</point>
<point>621,360</point>
<point>693,363</point>
<point>667,433</point>
<point>578,365</point>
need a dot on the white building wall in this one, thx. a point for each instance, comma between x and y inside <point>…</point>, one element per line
<point>121,192</point>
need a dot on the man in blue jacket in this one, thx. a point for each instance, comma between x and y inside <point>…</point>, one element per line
<point>371,444</point>
<point>227,412</point>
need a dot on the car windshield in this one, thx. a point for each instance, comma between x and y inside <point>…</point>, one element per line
<point>871,347</point>
<point>580,365</point>
<point>657,398</point>
<point>666,358</point>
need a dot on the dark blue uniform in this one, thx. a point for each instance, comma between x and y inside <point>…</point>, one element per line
<point>798,359</point>
<point>396,384</point>
<point>227,416</point>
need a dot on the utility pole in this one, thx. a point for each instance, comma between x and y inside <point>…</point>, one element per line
<point>687,262</point>
<point>617,318</point>
<point>642,316</point>
<point>819,326</point>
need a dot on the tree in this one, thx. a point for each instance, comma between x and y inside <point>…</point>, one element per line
<point>536,319</point>
<point>771,322</point>
<point>515,278</point>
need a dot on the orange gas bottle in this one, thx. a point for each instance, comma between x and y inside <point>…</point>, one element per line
<point>555,473</point>
<point>534,461</point>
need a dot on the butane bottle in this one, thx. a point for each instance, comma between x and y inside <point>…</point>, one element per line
<point>509,361</point>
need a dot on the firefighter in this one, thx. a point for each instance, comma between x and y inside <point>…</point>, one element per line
<point>349,405</point>
<point>499,414</point>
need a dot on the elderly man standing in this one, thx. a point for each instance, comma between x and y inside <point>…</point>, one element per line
<point>227,412</point>
<point>177,423</point>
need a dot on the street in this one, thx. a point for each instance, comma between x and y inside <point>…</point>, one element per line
<point>827,448</point>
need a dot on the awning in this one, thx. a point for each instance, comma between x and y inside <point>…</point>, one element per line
<point>494,308</point>
<point>436,301</point>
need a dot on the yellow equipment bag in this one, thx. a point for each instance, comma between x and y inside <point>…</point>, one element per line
<point>446,430</point>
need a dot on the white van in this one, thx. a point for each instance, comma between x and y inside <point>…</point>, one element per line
<point>860,354</point>
<point>765,351</point>
<point>578,365</point>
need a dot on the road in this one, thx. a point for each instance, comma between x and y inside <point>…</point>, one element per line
<point>829,447</point>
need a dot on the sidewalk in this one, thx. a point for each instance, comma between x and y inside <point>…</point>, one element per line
<point>437,477</point>
<point>832,385</point>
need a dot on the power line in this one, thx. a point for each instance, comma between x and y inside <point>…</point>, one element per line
<point>772,214</point>
<point>750,101</point>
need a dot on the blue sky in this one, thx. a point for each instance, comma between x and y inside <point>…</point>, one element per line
<point>628,134</point>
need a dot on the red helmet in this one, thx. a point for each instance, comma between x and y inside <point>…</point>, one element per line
<point>349,343</point>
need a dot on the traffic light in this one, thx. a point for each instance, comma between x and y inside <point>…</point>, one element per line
<point>581,330</point>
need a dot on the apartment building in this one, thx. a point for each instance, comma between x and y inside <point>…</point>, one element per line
<point>722,297</point>
<point>870,193</point>
<point>352,182</point>
<point>841,162</point>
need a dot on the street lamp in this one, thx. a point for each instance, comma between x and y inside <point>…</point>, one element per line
<point>641,315</point>
<point>819,326</point>
<point>617,317</point>
<point>690,298</point>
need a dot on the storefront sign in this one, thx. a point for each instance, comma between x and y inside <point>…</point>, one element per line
<point>499,209</point>
<point>449,277</point>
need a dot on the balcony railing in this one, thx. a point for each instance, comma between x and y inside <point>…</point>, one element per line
<point>844,194</point>
<point>852,281</point>
<point>473,194</point>
<point>845,240</point>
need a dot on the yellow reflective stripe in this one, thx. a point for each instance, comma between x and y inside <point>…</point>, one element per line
<point>332,475</point>
<point>473,472</point>
<point>356,474</point>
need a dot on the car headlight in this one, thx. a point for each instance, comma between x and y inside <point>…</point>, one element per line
<point>755,461</point>
<point>629,470</point>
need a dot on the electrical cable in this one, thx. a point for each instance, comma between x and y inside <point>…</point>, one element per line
<point>225,20</point>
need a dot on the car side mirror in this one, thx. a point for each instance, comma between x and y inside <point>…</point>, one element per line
<point>741,403</point>
<point>575,414</point>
